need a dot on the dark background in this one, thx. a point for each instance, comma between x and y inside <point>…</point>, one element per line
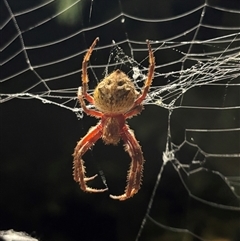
<point>38,194</point>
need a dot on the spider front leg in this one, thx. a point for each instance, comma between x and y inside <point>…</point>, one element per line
<point>78,168</point>
<point>136,167</point>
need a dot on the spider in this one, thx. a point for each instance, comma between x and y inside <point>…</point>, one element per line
<point>115,99</point>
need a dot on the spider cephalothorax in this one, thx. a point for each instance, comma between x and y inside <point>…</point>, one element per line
<point>115,99</point>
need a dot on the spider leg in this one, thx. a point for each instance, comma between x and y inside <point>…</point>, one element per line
<point>88,111</point>
<point>136,167</point>
<point>149,79</point>
<point>134,111</point>
<point>78,168</point>
<point>84,72</point>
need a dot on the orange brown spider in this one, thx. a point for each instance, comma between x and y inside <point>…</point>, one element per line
<point>115,99</point>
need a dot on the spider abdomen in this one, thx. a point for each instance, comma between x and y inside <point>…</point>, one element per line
<point>115,93</point>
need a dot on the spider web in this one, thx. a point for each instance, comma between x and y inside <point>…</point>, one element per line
<point>196,89</point>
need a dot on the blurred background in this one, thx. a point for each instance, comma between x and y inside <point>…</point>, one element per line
<point>192,201</point>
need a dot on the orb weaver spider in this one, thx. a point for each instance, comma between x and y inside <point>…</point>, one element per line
<point>115,99</point>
